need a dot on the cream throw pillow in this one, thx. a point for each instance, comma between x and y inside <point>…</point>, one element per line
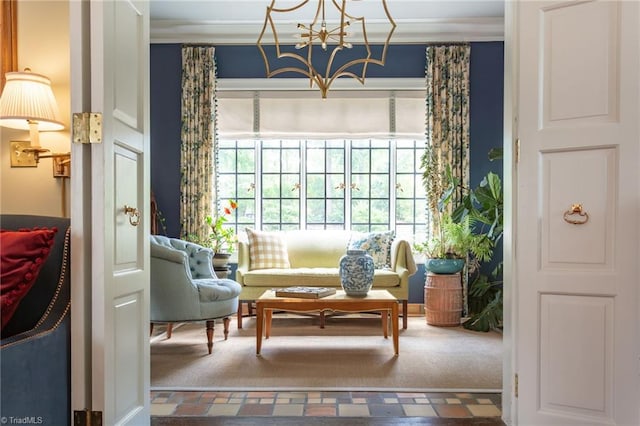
<point>267,250</point>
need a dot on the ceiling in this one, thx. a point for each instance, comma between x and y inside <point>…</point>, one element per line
<point>241,21</point>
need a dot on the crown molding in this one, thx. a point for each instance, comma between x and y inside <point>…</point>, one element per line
<point>407,31</point>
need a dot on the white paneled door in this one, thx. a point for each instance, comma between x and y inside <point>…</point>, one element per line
<point>110,67</point>
<point>577,256</point>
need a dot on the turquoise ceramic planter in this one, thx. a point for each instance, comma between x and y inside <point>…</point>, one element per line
<point>444,266</point>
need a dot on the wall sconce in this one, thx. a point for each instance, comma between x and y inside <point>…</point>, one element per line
<point>28,103</point>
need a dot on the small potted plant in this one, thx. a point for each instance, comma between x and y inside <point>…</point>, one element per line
<point>221,239</point>
<point>447,252</point>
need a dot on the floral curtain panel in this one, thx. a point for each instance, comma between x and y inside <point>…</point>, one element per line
<point>447,126</point>
<point>197,163</point>
<point>447,119</point>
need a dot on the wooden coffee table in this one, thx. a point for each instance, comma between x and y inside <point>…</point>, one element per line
<point>375,301</point>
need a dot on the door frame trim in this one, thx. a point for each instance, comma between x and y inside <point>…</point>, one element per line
<point>510,132</point>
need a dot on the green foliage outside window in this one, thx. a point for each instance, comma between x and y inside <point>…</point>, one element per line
<point>310,182</point>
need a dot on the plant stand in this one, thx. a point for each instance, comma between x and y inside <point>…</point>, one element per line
<point>443,299</point>
<point>222,272</point>
<point>221,264</point>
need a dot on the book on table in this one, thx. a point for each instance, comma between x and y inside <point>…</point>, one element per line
<point>305,292</point>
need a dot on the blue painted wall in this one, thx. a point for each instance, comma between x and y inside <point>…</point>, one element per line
<point>165,84</point>
<point>406,61</point>
<point>486,118</point>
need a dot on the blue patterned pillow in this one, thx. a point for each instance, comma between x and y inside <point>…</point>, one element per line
<point>377,245</point>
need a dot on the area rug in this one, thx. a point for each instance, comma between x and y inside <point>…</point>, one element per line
<point>349,354</point>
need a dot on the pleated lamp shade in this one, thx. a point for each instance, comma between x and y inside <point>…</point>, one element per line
<point>27,97</point>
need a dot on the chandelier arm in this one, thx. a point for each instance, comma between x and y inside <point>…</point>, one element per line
<point>268,21</point>
<point>341,71</point>
<point>297,57</point>
<point>360,79</point>
<point>261,49</point>
<point>308,62</point>
<point>275,37</point>
<point>383,58</point>
<point>289,9</point>
<point>386,11</point>
<point>292,69</point>
<point>327,71</point>
<point>342,15</point>
<point>365,61</point>
<point>319,13</point>
<point>343,8</point>
<point>385,47</point>
<point>393,28</point>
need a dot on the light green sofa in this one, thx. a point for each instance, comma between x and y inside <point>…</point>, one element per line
<point>314,256</point>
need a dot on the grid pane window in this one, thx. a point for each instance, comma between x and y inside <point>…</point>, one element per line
<point>279,183</point>
<point>325,166</point>
<point>409,192</point>
<point>362,185</point>
<point>236,177</point>
<point>370,179</point>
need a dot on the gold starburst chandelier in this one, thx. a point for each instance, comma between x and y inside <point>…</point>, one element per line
<point>334,30</point>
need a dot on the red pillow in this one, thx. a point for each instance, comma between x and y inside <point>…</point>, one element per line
<point>23,254</point>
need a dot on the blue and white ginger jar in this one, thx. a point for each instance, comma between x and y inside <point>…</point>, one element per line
<point>356,273</point>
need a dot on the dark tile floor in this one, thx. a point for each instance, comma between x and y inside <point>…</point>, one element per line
<point>322,421</point>
<point>289,408</point>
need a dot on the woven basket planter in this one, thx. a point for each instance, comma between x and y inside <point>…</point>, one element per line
<point>443,299</point>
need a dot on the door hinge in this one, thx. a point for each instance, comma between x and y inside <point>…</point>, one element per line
<point>517,150</point>
<point>87,127</point>
<point>87,418</point>
<point>515,385</point>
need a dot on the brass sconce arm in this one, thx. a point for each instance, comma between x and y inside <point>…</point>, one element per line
<point>24,155</point>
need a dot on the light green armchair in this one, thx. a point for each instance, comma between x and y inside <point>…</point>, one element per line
<point>184,287</point>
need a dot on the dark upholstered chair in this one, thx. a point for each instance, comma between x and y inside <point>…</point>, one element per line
<point>35,348</point>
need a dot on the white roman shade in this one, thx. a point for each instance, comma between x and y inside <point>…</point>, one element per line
<point>346,114</point>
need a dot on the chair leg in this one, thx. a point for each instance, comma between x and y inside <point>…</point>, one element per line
<point>405,313</point>
<point>322,318</point>
<point>150,329</point>
<point>226,322</point>
<point>210,335</point>
<point>169,329</point>
<point>249,311</point>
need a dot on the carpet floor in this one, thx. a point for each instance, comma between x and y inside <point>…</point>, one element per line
<point>350,353</point>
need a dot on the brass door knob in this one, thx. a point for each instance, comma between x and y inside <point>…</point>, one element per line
<point>133,213</point>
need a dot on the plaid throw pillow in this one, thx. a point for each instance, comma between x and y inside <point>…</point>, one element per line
<point>267,250</point>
